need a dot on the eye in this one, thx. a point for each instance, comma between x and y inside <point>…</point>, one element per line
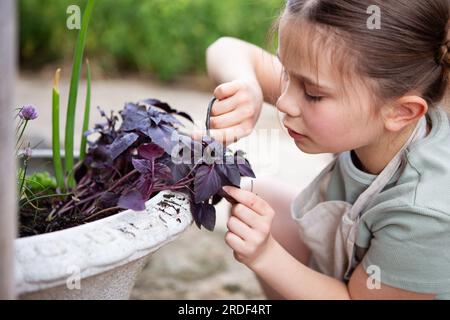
<point>313,98</point>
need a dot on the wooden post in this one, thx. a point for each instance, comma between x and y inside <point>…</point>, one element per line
<point>8,215</point>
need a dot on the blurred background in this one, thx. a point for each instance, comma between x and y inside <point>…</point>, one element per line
<point>156,49</point>
<point>162,39</point>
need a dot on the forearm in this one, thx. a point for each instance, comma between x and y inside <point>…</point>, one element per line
<point>295,281</point>
<point>229,59</point>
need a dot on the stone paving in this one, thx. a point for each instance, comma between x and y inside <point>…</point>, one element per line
<point>198,265</point>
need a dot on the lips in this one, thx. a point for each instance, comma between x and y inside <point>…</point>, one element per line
<point>295,135</point>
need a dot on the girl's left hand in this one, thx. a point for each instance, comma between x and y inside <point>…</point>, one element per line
<point>249,226</point>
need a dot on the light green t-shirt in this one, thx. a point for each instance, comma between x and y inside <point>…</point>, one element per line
<point>406,231</point>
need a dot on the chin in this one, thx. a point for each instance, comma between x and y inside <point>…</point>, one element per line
<point>307,148</point>
<point>311,148</point>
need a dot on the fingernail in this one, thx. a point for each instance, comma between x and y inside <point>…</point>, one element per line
<point>226,189</point>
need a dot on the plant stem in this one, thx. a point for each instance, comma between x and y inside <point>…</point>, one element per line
<point>47,196</point>
<point>87,110</point>
<point>57,163</point>
<point>97,195</point>
<point>121,180</point>
<point>101,212</point>
<point>71,107</point>
<point>19,126</point>
<point>21,133</point>
<point>25,167</point>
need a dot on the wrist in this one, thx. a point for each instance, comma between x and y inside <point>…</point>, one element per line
<point>266,256</point>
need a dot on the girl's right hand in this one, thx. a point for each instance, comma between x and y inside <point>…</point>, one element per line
<point>236,111</point>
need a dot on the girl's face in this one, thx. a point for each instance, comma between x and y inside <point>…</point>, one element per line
<point>321,117</point>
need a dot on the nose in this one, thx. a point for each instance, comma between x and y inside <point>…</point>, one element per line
<point>288,104</point>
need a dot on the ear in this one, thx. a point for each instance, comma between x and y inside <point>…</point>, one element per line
<point>403,112</point>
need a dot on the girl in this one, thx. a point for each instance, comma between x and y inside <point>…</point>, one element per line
<point>376,222</point>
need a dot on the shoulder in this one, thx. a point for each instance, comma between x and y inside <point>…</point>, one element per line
<point>418,203</point>
<point>424,182</point>
<point>430,159</point>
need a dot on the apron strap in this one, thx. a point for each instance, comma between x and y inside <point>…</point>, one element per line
<point>369,195</point>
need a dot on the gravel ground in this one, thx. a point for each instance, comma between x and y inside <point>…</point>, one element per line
<point>198,265</point>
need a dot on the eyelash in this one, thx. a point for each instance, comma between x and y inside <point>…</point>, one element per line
<point>313,99</point>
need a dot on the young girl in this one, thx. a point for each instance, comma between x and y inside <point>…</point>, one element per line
<point>375,224</point>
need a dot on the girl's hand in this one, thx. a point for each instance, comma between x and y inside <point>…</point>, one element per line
<point>249,227</point>
<point>236,112</point>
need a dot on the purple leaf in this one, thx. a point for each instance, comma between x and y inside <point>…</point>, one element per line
<point>196,210</point>
<point>145,186</point>
<point>121,144</point>
<point>164,106</point>
<point>150,151</point>
<point>135,118</point>
<point>208,216</point>
<point>204,214</point>
<point>246,170</point>
<point>162,136</point>
<point>133,200</point>
<point>107,200</point>
<point>179,171</point>
<point>244,166</point>
<point>230,174</point>
<point>162,171</point>
<point>207,182</point>
<point>143,166</point>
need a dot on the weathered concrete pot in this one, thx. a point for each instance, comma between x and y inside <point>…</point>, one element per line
<point>101,259</point>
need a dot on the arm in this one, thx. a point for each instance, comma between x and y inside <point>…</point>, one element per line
<point>293,280</point>
<point>253,245</point>
<point>229,59</point>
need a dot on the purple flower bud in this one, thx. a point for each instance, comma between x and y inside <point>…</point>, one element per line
<point>28,113</point>
<point>28,152</point>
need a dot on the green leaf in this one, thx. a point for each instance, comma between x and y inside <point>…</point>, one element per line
<point>71,107</point>
<point>57,164</point>
<point>87,110</point>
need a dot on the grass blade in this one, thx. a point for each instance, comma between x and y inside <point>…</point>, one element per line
<point>57,164</point>
<point>87,110</point>
<point>71,107</point>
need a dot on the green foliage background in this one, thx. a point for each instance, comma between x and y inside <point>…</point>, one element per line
<point>166,38</point>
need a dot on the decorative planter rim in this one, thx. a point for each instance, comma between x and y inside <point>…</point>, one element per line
<point>49,260</point>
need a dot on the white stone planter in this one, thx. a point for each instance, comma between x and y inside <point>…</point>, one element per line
<point>98,260</point>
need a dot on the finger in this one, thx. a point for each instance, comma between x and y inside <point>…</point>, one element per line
<point>250,200</point>
<point>246,215</point>
<point>226,90</point>
<point>234,242</point>
<point>226,136</point>
<point>230,135</point>
<point>221,107</point>
<point>232,118</point>
<point>239,228</point>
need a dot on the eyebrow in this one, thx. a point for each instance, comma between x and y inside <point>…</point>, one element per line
<point>306,79</point>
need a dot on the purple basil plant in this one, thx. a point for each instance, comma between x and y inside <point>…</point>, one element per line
<point>129,164</point>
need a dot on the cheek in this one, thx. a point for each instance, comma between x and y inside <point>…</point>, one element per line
<point>325,122</point>
<point>332,128</point>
